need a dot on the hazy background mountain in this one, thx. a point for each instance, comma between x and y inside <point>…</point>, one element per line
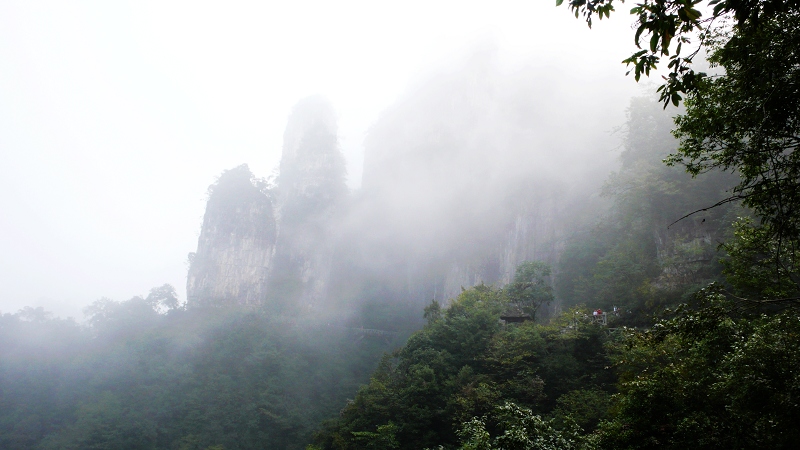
<point>115,118</point>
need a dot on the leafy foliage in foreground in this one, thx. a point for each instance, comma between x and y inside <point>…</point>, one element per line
<point>461,366</point>
<point>713,373</point>
<point>747,121</point>
<point>519,428</point>
<point>665,27</point>
<point>709,379</point>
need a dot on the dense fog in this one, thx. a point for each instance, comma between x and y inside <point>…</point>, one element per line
<point>348,226</point>
<point>118,117</point>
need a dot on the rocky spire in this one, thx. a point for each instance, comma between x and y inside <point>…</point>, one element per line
<point>311,188</point>
<point>274,248</point>
<point>237,240</point>
<point>312,169</point>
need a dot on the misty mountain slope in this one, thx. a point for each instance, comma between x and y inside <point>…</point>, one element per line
<point>475,170</point>
<point>636,254</point>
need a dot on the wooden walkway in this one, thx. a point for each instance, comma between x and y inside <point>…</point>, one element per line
<point>361,333</point>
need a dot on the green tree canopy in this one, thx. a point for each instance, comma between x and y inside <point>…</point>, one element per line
<point>531,287</point>
<point>665,27</point>
<point>708,379</point>
<point>745,120</point>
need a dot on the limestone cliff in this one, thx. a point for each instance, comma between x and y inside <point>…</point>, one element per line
<point>463,180</point>
<point>236,244</point>
<point>311,191</point>
<point>273,247</point>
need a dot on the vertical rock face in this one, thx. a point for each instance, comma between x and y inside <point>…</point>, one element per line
<point>274,247</point>
<point>237,240</point>
<point>311,190</point>
<point>465,178</point>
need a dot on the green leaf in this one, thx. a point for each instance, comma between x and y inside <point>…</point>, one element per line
<point>676,98</point>
<point>559,2</point>
<point>654,42</point>
<point>639,32</point>
<point>692,13</point>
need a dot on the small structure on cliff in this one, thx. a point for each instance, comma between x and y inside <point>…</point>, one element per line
<point>514,314</point>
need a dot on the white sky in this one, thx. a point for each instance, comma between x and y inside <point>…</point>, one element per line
<point>116,116</point>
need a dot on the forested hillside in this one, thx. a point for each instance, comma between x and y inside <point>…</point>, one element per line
<point>637,255</point>
<point>663,312</point>
<point>151,375</point>
<point>471,380</point>
<point>701,274</point>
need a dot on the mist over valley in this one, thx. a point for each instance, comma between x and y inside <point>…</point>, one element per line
<point>435,226</point>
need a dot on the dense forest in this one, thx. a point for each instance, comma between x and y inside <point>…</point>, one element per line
<point>668,320</point>
<point>700,351</point>
<point>148,374</point>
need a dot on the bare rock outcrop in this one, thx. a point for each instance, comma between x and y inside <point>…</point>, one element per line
<point>236,244</point>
